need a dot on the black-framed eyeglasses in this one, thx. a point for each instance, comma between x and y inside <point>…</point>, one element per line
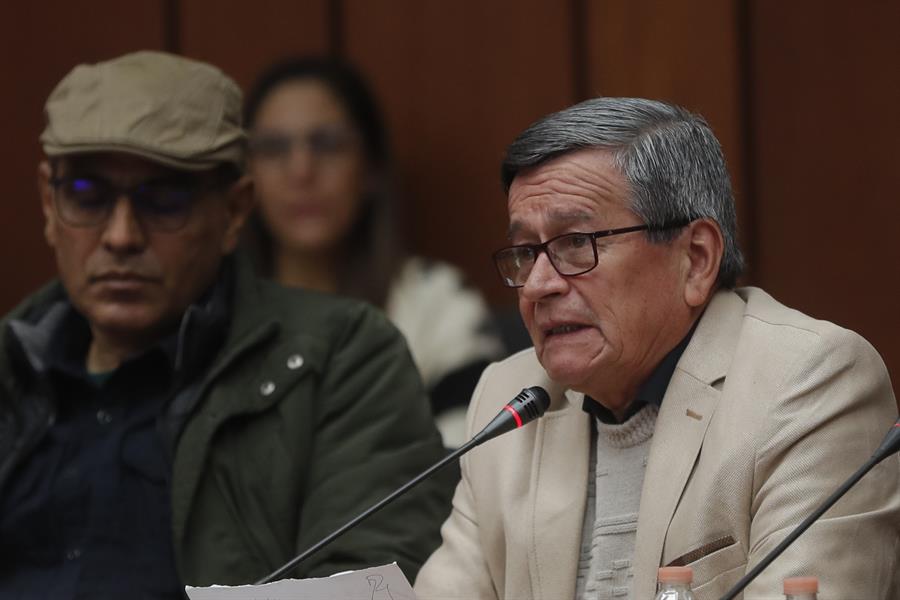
<point>570,254</point>
<point>322,142</point>
<point>160,204</point>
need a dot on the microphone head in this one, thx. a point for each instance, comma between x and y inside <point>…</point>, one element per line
<point>530,403</point>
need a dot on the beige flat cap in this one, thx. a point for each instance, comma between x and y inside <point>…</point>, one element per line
<point>165,108</point>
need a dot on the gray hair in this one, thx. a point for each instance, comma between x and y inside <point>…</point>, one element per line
<point>669,156</point>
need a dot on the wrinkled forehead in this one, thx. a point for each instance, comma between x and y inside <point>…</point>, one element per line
<point>573,188</point>
<point>559,217</point>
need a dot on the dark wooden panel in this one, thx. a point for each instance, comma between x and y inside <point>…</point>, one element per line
<point>244,37</point>
<point>42,41</point>
<point>686,53</point>
<point>458,80</point>
<point>827,125</point>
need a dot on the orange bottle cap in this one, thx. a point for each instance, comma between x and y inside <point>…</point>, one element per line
<point>676,574</point>
<point>801,585</point>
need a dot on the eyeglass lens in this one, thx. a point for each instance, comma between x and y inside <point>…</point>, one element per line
<point>88,201</point>
<point>321,142</point>
<point>570,254</point>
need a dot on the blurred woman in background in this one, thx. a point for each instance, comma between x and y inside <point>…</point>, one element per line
<point>322,172</point>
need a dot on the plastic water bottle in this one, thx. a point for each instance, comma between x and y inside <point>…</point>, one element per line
<point>674,583</point>
<point>801,588</point>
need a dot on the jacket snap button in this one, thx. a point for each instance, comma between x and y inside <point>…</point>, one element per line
<point>267,388</point>
<point>294,362</point>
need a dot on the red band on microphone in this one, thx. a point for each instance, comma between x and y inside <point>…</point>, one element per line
<point>514,414</point>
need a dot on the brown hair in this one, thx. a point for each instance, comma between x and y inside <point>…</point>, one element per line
<point>373,243</point>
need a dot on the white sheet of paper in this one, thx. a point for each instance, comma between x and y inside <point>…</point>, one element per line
<point>375,583</point>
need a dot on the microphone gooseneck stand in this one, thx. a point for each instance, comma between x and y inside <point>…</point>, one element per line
<point>369,511</point>
<point>528,405</point>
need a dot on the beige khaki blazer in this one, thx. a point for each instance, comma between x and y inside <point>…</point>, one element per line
<point>768,412</point>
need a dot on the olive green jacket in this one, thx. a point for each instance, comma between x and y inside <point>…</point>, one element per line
<point>311,411</point>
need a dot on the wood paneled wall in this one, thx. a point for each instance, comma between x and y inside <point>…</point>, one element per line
<point>803,96</point>
<point>826,164</point>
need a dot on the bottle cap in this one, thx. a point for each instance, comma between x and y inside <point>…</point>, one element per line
<point>675,574</point>
<point>801,585</point>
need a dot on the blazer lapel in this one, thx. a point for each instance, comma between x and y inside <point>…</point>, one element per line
<point>684,417</point>
<point>559,490</point>
<point>680,427</point>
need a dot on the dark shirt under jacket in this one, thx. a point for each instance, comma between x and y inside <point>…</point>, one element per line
<point>652,390</point>
<point>87,514</point>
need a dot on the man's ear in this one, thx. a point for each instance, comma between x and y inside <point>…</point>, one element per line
<point>705,245</point>
<point>240,202</point>
<point>45,191</point>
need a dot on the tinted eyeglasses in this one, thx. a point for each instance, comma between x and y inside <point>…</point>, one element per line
<point>322,142</point>
<point>570,254</point>
<point>161,204</point>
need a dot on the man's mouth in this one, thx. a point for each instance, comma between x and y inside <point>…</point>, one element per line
<point>122,283</point>
<point>561,329</point>
<point>120,276</point>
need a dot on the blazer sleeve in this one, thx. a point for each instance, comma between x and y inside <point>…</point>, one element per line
<point>833,411</point>
<point>458,569</point>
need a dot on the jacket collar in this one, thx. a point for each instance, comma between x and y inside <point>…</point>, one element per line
<point>249,326</point>
<point>242,288</point>
<point>246,319</point>
<point>54,335</point>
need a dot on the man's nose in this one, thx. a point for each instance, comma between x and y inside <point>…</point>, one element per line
<point>543,280</point>
<point>123,232</point>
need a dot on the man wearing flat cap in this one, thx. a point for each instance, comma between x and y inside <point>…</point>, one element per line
<point>165,417</point>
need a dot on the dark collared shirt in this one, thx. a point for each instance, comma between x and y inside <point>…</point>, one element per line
<point>651,391</point>
<point>87,514</point>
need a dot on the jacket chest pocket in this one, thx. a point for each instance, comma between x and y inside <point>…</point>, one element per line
<point>717,572</point>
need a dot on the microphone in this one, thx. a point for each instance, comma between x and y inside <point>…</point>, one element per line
<point>890,445</point>
<point>528,405</point>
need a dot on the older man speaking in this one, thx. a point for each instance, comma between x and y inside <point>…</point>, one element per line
<point>692,423</point>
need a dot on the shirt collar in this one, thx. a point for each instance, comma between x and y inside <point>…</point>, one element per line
<point>651,391</point>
